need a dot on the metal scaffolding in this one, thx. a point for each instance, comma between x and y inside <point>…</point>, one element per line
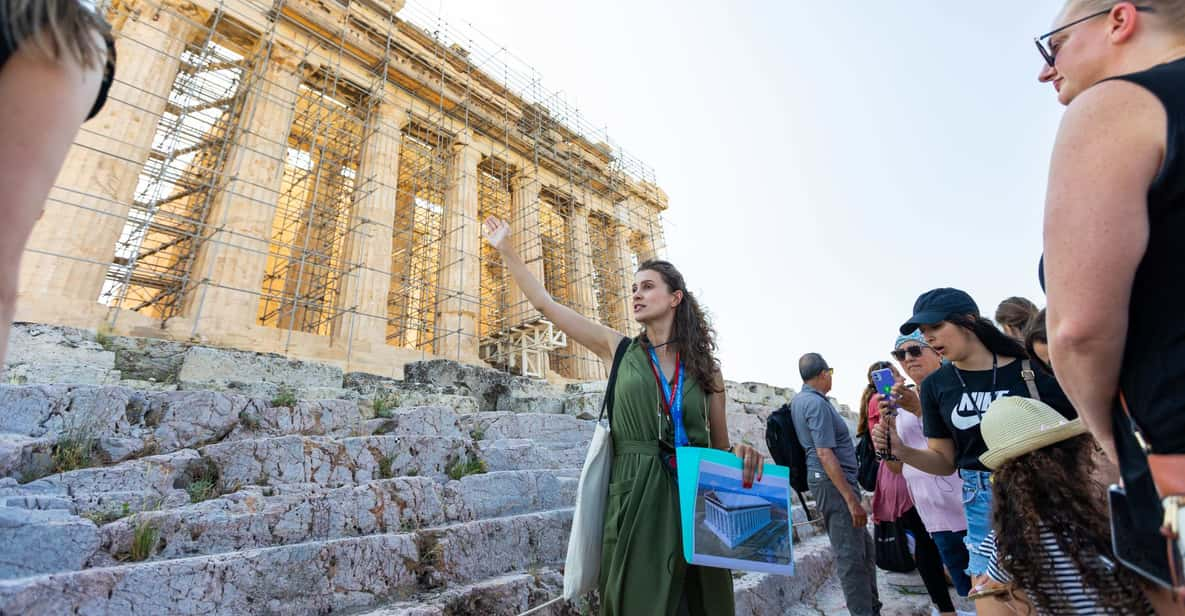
<point>312,157</point>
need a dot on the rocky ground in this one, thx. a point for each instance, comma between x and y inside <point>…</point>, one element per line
<point>140,476</point>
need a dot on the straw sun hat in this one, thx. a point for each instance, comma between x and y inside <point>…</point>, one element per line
<point>1013,426</point>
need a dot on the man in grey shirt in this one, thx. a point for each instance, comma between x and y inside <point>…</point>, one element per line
<point>831,476</point>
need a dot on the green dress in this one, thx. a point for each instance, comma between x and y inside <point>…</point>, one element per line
<point>642,567</point>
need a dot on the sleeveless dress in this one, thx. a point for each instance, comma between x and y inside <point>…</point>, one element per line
<point>642,566</point>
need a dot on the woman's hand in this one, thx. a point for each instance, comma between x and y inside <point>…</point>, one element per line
<point>907,398</point>
<point>497,232</point>
<point>884,435</point>
<point>754,463</point>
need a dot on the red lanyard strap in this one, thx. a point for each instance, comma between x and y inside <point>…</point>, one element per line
<point>663,387</point>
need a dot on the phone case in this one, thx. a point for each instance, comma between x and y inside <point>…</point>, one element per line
<point>883,381</point>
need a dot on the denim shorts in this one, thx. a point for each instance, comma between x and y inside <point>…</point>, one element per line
<point>977,504</point>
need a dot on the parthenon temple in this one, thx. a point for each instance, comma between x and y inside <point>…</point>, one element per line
<point>309,177</point>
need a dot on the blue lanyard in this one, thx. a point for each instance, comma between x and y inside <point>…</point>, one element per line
<point>675,400</point>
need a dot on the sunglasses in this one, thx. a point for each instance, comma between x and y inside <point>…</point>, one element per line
<point>913,351</point>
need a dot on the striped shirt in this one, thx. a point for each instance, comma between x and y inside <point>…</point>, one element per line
<point>1064,584</point>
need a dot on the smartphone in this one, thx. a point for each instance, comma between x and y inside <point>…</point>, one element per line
<point>1143,552</point>
<point>883,381</point>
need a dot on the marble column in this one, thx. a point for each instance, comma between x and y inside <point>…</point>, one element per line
<point>622,277</point>
<point>366,288</point>
<point>230,266</point>
<point>586,364</point>
<point>459,286</point>
<point>524,228</point>
<point>73,245</point>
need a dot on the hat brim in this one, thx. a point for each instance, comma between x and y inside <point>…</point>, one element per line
<point>925,317</point>
<point>994,458</point>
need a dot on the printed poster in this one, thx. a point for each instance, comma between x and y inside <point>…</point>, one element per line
<point>725,525</point>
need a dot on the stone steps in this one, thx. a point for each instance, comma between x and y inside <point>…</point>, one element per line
<point>447,492</point>
<point>308,577</point>
<point>248,520</point>
<point>506,595</point>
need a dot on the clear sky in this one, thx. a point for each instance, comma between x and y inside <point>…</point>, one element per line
<point>826,161</point>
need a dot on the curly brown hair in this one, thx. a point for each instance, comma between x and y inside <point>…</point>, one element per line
<point>1052,489</point>
<point>692,334</point>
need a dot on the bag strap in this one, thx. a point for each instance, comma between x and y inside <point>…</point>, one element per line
<point>1142,496</point>
<point>607,402</point>
<point>1030,377</point>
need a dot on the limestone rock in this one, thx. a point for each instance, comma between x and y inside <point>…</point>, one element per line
<point>422,420</point>
<point>50,354</point>
<point>485,384</point>
<point>330,462</point>
<point>39,502</point>
<point>221,369</point>
<point>535,426</point>
<point>394,393</point>
<point>758,394</point>
<point>505,493</point>
<point>151,474</point>
<point>747,428</point>
<point>148,359</point>
<point>17,452</point>
<point>462,552</point>
<point>43,541</point>
<point>525,454</point>
<point>308,578</point>
<point>584,405</point>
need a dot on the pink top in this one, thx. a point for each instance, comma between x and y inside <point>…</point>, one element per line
<point>939,499</point>
<point>891,498</point>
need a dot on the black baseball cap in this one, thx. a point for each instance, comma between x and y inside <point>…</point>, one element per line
<point>938,305</point>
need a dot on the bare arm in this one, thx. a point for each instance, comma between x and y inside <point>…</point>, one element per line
<point>717,416</point>
<point>937,459</point>
<point>1108,151</point>
<point>754,467</point>
<point>598,338</point>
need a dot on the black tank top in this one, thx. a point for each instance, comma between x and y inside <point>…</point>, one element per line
<point>1153,374</point>
<point>9,44</point>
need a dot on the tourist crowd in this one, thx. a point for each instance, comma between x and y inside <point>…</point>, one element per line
<point>1053,444</point>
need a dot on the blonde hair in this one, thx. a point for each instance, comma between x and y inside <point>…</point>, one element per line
<point>1171,11</point>
<point>59,29</point>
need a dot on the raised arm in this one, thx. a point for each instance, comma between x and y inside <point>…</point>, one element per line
<point>1108,151</point>
<point>598,338</point>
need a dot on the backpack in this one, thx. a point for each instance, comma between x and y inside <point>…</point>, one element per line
<point>782,440</point>
<point>868,464</point>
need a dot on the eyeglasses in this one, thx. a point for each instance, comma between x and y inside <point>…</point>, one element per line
<point>1050,54</point>
<point>914,351</point>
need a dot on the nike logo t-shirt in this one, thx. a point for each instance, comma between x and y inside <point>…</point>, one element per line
<point>952,412</point>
